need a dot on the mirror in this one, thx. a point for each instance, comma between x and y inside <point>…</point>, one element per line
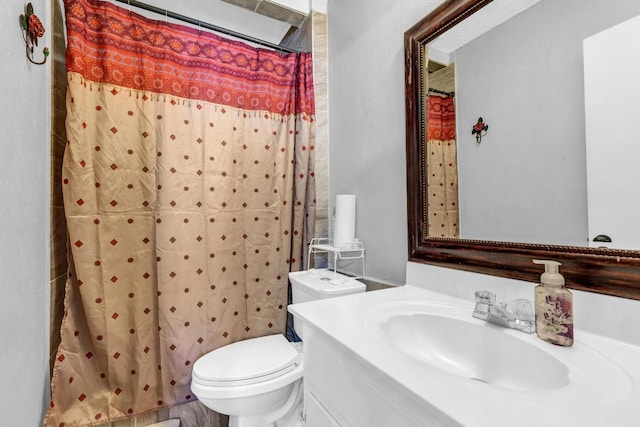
<point>534,99</point>
<point>607,271</point>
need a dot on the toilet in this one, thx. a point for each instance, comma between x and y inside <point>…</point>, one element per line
<point>258,382</point>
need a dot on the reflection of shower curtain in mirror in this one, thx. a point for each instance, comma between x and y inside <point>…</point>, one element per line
<point>442,167</point>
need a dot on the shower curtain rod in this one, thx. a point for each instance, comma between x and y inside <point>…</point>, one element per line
<point>201,24</point>
<point>441,92</point>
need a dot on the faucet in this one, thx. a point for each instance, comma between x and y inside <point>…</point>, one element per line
<point>517,315</point>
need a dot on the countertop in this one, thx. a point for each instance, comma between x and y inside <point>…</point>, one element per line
<point>594,396</point>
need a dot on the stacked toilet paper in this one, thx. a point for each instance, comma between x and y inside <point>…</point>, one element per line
<point>344,231</point>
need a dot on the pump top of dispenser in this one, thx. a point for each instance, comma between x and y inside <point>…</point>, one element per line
<point>551,275</point>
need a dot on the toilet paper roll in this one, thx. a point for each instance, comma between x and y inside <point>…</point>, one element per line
<point>345,224</point>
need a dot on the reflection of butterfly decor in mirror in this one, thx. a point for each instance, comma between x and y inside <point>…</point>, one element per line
<point>32,30</point>
<point>479,130</point>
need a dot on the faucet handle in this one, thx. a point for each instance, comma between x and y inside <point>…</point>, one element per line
<point>523,311</point>
<point>485,297</point>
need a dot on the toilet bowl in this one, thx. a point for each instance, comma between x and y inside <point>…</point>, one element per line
<point>258,382</point>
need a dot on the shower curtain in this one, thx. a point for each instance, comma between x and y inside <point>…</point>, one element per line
<point>189,193</point>
<point>442,167</point>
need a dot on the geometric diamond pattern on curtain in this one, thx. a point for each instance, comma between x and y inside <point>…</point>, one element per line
<point>188,186</point>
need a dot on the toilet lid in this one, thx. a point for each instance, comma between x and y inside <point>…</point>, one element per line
<point>324,283</point>
<point>247,362</point>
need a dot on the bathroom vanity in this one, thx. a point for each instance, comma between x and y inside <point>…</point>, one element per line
<point>415,356</point>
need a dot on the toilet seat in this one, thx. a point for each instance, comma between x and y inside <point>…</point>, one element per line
<point>245,367</point>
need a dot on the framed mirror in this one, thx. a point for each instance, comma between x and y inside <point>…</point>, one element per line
<point>595,269</point>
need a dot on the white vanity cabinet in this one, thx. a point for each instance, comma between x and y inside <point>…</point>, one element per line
<point>341,389</point>
<point>315,414</point>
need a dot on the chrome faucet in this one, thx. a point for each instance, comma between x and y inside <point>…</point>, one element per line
<point>517,315</point>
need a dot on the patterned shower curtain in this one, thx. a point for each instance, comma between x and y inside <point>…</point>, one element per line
<point>442,167</point>
<point>188,187</point>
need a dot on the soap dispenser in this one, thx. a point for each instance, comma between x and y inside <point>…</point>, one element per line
<point>554,306</point>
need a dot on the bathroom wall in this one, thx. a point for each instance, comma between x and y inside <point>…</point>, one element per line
<point>367,122</point>
<point>24,257</point>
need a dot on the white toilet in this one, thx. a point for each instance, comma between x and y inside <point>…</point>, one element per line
<point>258,382</point>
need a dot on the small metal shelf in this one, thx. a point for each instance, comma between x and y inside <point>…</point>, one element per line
<point>350,251</point>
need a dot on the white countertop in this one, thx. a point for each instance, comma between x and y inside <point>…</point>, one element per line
<point>594,397</point>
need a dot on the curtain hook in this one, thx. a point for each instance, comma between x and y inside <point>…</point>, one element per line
<point>166,17</point>
<point>199,28</point>
<point>129,4</point>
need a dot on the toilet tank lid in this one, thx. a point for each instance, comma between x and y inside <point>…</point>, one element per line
<point>255,358</point>
<point>325,283</point>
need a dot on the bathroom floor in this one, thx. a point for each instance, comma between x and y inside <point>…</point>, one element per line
<point>192,414</point>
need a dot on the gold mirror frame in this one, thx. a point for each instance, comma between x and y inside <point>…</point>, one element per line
<point>604,271</point>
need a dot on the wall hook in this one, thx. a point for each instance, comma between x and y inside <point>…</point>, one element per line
<point>479,130</point>
<point>32,30</point>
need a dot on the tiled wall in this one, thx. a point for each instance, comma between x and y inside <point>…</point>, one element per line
<point>312,35</point>
<point>309,38</point>
<point>58,238</point>
<point>321,87</point>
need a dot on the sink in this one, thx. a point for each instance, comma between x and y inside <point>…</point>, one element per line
<point>448,338</point>
<point>413,357</point>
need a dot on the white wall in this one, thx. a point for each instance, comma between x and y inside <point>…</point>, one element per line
<point>367,122</point>
<point>24,262</point>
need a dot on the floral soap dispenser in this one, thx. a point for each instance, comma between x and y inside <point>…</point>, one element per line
<point>554,306</point>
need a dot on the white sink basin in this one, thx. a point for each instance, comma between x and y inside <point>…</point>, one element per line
<point>448,338</point>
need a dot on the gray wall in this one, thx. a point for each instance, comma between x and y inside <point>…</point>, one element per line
<point>367,123</point>
<point>24,261</point>
<point>526,181</point>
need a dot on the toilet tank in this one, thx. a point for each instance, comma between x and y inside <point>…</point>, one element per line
<point>311,285</point>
